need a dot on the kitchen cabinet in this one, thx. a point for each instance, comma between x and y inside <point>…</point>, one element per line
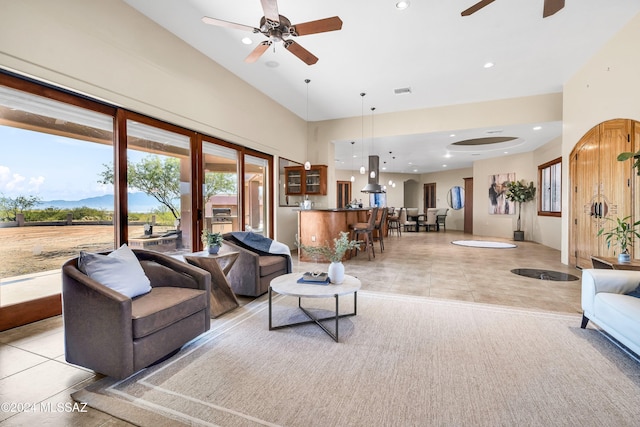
<point>306,182</point>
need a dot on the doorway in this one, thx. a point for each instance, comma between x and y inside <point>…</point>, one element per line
<point>429,191</point>
<point>343,194</point>
<point>468,205</point>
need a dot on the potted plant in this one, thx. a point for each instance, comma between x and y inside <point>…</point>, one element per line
<point>212,240</point>
<point>621,234</point>
<point>334,254</point>
<point>520,192</point>
<point>628,155</point>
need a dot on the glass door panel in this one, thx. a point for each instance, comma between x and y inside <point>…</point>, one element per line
<point>256,206</point>
<point>52,201</point>
<point>220,189</point>
<point>158,188</point>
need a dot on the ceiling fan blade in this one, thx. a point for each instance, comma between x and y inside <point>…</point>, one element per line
<point>320,26</point>
<point>476,7</point>
<point>302,53</point>
<point>257,52</point>
<point>270,9</point>
<point>551,7</point>
<point>227,24</point>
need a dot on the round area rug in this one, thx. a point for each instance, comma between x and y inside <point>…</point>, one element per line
<point>483,244</point>
<point>535,273</point>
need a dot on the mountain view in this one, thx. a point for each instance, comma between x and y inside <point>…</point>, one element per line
<point>138,202</point>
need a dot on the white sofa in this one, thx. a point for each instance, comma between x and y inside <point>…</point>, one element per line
<point>604,303</point>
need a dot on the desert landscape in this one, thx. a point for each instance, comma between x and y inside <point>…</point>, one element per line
<point>35,249</point>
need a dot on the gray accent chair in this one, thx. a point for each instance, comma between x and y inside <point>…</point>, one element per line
<point>117,336</point>
<point>253,270</point>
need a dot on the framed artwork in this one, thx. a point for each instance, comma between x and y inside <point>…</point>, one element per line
<point>498,203</point>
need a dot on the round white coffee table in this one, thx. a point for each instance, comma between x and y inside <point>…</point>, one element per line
<point>288,285</point>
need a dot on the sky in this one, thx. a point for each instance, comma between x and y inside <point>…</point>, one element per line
<point>52,167</point>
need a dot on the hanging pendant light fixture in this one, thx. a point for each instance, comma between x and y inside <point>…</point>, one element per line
<point>353,178</point>
<point>362,169</point>
<point>390,180</point>
<point>307,164</point>
<point>372,173</point>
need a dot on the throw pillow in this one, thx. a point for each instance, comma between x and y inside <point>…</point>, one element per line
<point>120,271</point>
<point>635,292</point>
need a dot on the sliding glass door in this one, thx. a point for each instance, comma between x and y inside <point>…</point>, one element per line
<point>52,203</point>
<point>220,189</point>
<point>158,188</point>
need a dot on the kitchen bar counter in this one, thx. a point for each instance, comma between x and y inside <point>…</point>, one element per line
<point>320,226</point>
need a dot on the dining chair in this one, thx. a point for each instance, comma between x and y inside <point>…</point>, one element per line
<point>430,220</point>
<point>410,219</point>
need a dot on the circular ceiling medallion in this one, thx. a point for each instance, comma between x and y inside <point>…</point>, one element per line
<point>485,141</point>
<point>490,143</point>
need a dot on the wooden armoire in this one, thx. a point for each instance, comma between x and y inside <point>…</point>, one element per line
<point>601,187</point>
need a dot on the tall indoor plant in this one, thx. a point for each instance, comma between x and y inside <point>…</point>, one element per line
<point>621,234</point>
<point>520,192</point>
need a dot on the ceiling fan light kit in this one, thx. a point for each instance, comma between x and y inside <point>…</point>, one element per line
<point>278,28</point>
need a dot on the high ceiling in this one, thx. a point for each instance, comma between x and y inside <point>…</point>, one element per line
<point>428,47</point>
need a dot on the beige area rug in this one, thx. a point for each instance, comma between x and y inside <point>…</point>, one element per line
<point>402,361</point>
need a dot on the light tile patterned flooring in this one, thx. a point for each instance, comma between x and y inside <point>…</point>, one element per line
<point>33,369</point>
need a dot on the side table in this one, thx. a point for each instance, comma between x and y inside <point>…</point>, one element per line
<point>222,297</point>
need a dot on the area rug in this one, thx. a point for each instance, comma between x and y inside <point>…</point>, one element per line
<point>401,361</point>
<point>484,244</point>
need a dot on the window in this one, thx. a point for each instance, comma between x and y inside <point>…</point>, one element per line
<point>550,184</point>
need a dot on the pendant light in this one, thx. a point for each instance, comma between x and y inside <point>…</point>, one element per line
<point>390,180</point>
<point>372,174</point>
<point>353,178</point>
<point>362,169</point>
<point>307,164</point>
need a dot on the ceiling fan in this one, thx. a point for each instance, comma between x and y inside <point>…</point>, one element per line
<point>278,28</point>
<point>550,7</point>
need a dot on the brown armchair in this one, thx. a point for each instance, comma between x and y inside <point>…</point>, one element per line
<point>254,269</point>
<point>117,336</point>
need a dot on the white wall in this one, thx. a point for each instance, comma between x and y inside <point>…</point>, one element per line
<point>607,87</point>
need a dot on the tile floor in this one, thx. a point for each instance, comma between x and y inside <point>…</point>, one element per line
<point>33,369</point>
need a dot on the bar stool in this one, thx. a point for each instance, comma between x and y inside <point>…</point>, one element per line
<point>380,229</point>
<point>394,223</point>
<point>364,231</point>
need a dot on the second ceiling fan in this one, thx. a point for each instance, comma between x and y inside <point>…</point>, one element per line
<point>550,7</point>
<point>278,28</point>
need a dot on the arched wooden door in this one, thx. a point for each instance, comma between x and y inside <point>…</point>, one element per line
<point>601,187</point>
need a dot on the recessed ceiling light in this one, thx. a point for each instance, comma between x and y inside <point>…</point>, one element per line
<point>489,65</point>
<point>452,135</point>
<point>247,40</point>
<point>537,128</point>
<point>272,64</point>
<point>415,170</point>
<point>402,5</point>
<point>444,166</point>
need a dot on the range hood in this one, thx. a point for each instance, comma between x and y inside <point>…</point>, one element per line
<point>372,185</point>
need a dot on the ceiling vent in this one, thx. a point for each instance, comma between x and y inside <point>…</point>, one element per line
<point>402,90</point>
